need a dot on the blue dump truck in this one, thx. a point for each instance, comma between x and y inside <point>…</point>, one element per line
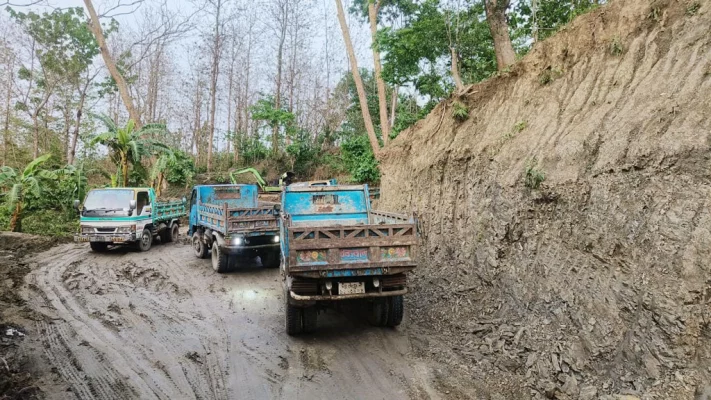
<point>227,221</point>
<point>336,248</point>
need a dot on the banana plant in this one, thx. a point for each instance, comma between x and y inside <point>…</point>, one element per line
<point>161,165</point>
<point>129,145</point>
<point>20,184</point>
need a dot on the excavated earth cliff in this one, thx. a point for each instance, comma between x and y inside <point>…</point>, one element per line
<point>566,224</point>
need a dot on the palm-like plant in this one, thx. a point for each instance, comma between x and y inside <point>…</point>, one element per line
<point>128,144</point>
<point>21,183</point>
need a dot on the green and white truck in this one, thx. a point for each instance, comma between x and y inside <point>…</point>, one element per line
<point>112,216</point>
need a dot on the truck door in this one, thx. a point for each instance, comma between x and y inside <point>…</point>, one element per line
<point>193,213</point>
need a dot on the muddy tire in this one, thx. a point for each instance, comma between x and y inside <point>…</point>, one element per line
<point>294,316</point>
<point>99,247</point>
<point>146,240</point>
<point>396,310</point>
<point>271,259</point>
<point>173,235</point>
<point>310,317</point>
<point>220,260</point>
<point>378,312</point>
<point>199,247</point>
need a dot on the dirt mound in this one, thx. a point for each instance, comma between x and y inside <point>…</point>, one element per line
<point>15,380</point>
<point>566,223</point>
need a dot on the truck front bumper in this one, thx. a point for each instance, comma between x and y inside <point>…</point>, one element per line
<point>232,249</point>
<point>109,238</point>
<point>299,297</point>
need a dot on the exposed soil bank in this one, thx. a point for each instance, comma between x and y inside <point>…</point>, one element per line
<point>597,282</point>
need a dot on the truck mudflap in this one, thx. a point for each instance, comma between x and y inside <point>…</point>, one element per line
<point>390,293</point>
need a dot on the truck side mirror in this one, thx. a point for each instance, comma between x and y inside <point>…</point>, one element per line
<point>277,209</point>
<point>132,205</point>
<point>76,204</point>
<point>184,200</point>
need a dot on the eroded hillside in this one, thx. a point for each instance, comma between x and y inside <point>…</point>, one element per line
<point>597,282</point>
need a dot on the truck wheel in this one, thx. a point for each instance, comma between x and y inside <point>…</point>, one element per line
<point>99,247</point>
<point>378,313</point>
<point>396,308</point>
<point>144,244</point>
<point>199,247</point>
<point>220,261</point>
<point>293,319</point>
<point>174,233</point>
<point>310,316</point>
<point>271,259</point>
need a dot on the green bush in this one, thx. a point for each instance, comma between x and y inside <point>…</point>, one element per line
<point>533,177</point>
<point>50,223</point>
<point>181,170</point>
<point>460,111</point>
<point>358,160</point>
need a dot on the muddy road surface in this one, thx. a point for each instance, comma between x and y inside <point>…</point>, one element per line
<point>163,324</point>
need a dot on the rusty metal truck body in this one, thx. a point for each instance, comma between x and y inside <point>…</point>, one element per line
<point>336,248</point>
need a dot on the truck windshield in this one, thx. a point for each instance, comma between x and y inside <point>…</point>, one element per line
<point>108,200</point>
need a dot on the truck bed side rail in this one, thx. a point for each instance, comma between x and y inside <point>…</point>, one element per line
<point>391,248</point>
<point>235,220</point>
<point>385,217</point>
<point>167,210</point>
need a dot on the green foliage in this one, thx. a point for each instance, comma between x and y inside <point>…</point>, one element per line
<point>533,176</point>
<point>180,170</point>
<point>460,111</point>
<point>551,15</point>
<point>518,128</point>
<point>693,8</point>
<point>304,156</point>
<point>616,47</point>
<point>357,158</point>
<point>50,222</point>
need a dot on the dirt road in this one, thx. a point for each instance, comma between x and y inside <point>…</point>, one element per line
<point>163,324</point>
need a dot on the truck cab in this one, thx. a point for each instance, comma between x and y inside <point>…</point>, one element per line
<point>127,215</point>
<point>227,221</point>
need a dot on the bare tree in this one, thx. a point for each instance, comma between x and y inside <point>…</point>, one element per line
<point>373,9</point>
<point>280,14</point>
<point>111,64</point>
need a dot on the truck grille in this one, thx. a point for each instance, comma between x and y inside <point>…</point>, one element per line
<point>106,230</point>
<point>304,287</point>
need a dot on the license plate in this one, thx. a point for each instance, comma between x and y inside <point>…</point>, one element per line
<point>351,288</point>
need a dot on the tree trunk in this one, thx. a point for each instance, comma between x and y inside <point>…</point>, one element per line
<point>15,220</point>
<point>393,106</point>
<point>111,65</point>
<point>358,81</point>
<point>124,169</point>
<point>280,57</point>
<point>77,125</point>
<point>6,130</point>
<point>455,69</point>
<point>213,82</point>
<point>35,130</point>
<point>382,98</point>
<point>499,27</point>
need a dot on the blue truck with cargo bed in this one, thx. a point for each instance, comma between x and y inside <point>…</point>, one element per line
<point>228,221</point>
<point>337,248</point>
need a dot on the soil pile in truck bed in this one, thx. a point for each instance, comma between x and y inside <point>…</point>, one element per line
<point>566,224</point>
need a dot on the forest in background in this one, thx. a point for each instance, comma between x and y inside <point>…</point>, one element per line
<point>158,93</point>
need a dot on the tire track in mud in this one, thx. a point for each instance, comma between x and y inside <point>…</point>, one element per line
<point>164,325</point>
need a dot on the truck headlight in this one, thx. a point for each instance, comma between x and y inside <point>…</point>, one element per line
<point>237,241</point>
<point>126,229</point>
<point>276,239</point>
<point>87,229</point>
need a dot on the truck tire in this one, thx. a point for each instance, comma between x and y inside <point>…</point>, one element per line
<point>378,312</point>
<point>174,233</point>
<point>294,316</point>
<point>220,260</point>
<point>144,243</point>
<point>199,247</point>
<point>271,259</point>
<point>99,247</point>
<point>396,309</point>
<point>310,317</point>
